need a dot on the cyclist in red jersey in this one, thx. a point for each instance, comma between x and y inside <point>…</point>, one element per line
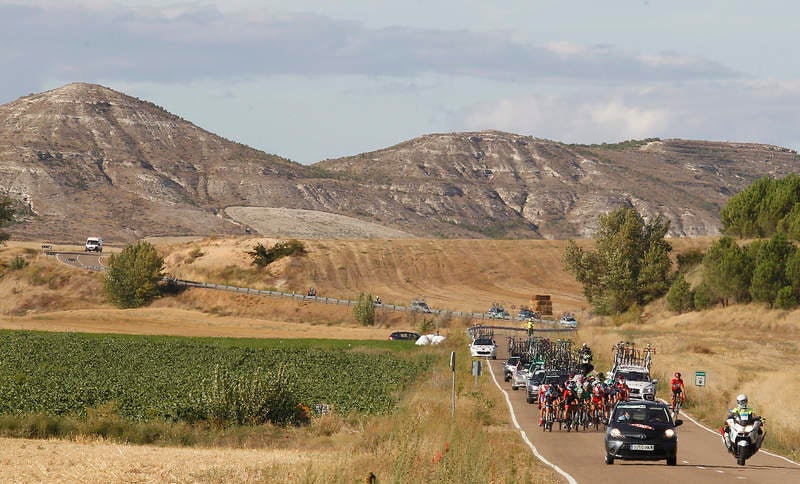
<point>677,389</point>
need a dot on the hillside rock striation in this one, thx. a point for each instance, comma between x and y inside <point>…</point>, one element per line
<point>84,159</point>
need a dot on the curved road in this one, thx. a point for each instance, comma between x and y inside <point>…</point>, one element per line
<point>701,456</point>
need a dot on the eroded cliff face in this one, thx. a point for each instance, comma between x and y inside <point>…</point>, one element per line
<point>87,159</point>
<point>558,190</point>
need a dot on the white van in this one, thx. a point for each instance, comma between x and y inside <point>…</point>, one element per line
<point>94,244</point>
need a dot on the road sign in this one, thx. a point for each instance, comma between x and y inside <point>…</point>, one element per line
<point>476,368</point>
<point>699,378</point>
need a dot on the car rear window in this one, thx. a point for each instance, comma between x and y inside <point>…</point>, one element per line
<point>483,342</point>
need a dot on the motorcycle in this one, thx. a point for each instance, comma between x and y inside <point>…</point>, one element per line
<point>743,435</point>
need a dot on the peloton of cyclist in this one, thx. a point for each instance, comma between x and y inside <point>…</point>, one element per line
<point>678,390</point>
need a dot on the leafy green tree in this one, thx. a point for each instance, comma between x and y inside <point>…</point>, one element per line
<point>364,310</point>
<point>133,277</point>
<point>769,274</point>
<point>703,297</point>
<point>7,213</point>
<point>630,265</point>
<point>727,269</point>
<point>680,298</point>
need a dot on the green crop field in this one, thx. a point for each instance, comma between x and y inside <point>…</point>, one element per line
<point>157,377</point>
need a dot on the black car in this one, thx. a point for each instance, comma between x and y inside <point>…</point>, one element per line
<point>403,336</point>
<point>642,430</point>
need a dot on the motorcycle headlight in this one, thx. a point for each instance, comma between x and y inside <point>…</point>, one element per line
<point>738,428</point>
<point>615,433</point>
<point>669,433</point>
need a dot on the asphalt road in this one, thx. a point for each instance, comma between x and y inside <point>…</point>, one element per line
<point>702,458</point>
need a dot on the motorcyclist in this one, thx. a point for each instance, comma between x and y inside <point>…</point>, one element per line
<point>585,354</point>
<point>741,408</point>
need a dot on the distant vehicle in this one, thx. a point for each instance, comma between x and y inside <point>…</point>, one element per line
<point>421,306</point>
<point>526,314</point>
<point>403,336</point>
<point>94,244</point>
<point>568,321</point>
<point>642,430</point>
<point>497,312</point>
<point>483,347</point>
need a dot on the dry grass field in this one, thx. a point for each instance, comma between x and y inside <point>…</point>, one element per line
<point>741,348</point>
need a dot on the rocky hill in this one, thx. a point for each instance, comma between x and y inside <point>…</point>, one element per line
<point>84,159</point>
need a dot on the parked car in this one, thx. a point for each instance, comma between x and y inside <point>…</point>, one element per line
<point>483,347</point>
<point>526,314</point>
<point>642,430</point>
<point>403,336</point>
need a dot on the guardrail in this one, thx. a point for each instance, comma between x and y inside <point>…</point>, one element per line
<point>266,292</point>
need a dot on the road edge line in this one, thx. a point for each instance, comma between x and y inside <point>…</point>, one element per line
<point>684,414</point>
<point>524,435</point>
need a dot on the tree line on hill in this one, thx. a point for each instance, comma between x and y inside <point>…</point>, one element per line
<point>630,265</point>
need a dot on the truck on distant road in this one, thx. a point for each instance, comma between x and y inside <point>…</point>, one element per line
<point>94,244</point>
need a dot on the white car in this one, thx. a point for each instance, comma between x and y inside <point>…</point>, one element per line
<point>568,321</point>
<point>483,348</point>
<point>94,244</point>
<point>638,380</point>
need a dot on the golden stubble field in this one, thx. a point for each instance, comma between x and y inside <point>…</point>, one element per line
<point>741,348</point>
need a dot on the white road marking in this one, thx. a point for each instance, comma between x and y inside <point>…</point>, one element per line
<point>524,435</point>
<point>685,461</point>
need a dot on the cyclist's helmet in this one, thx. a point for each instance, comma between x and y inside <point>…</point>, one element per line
<point>586,384</point>
<point>571,385</point>
<point>741,400</point>
<point>677,374</point>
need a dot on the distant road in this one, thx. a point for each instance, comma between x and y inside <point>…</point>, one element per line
<point>701,456</point>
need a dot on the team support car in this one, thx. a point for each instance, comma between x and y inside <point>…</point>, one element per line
<point>510,366</point>
<point>638,380</point>
<point>642,430</point>
<point>483,347</point>
<point>404,336</point>
<point>543,377</point>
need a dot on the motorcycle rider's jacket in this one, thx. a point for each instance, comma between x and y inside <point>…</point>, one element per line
<point>738,411</point>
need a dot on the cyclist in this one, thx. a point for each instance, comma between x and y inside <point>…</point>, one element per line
<point>598,400</point>
<point>550,402</point>
<point>678,390</point>
<point>623,390</point>
<point>586,401</point>
<point>570,399</point>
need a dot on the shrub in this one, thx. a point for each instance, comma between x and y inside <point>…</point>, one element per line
<point>364,310</point>
<point>17,263</point>
<point>264,257</point>
<point>786,298</point>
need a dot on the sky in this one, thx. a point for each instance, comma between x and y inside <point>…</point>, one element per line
<point>316,79</point>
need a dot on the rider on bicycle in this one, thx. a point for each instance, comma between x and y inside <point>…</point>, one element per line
<point>570,399</point>
<point>623,390</point>
<point>550,402</point>
<point>678,390</point>
<point>598,400</point>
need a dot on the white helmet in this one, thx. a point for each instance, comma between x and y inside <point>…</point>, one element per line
<point>741,400</point>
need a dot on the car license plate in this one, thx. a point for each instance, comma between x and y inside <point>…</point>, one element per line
<point>642,447</point>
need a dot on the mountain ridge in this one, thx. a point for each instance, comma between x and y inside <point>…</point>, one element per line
<point>85,158</point>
